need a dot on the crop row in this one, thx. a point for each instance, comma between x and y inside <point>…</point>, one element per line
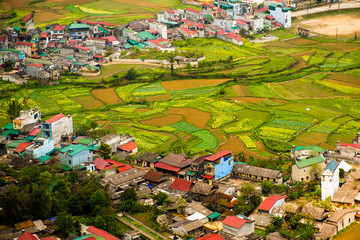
<point>125,92</point>
<point>249,143</point>
<point>277,133</point>
<point>339,87</point>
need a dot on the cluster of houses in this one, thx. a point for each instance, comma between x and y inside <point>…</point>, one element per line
<point>83,46</point>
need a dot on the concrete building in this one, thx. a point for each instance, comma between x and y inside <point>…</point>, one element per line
<point>57,126</point>
<point>253,173</point>
<point>306,151</point>
<point>281,15</point>
<point>330,180</point>
<point>225,24</point>
<point>193,15</point>
<point>237,226</point>
<point>27,117</point>
<point>79,30</point>
<point>257,24</point>
<point>218,165</point>
<point>342,218</point>
<point>230,37</point>
<point>302,170</point>
<point>28,48</point>
<point>270,203</point>
<point>75,155</point>
<point>40,148</point>
<point>26,24</point>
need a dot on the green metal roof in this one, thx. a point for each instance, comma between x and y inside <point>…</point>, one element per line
<point>11,50</point>
<point>38,61</point>
<point>132,41</point>
<point>71,57</point>
<point>78,26</point>
<point>44,158</point>
<point>64,167</point>
<point>214,215</point>
<point>43,54</point>
<point>146,35</point>
<point>266,25</point>
<point>88,236</point>
<point>76,148</point>
<point>244,163</point>
<point>309,161</point>
<point>286,9</point>
<point>139,46</point>
<point>190,173</point>
<point>9,126</point>
<point>127,46</point>
<point>79,63</point>
<point>103,30</point>
<point>30,138</point>
<point>85,141</point>
<point>312,148</point>
<point>128,30</point>
<point>15,143</point>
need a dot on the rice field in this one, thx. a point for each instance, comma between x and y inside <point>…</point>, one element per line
<point>88,102</point>
<point>191,83</point>
<point>108,95</point>
<point>163,121</point>
<point>193,116</point>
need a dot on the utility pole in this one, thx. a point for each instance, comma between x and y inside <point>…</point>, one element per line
<point>336,34</point>
<point>339,6</point>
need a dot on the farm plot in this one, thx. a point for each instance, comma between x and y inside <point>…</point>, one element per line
<point>192,83</point>
<point>346,78</point>
<point>183,126</point>
<point>220,119</point>
<point>249,143</point>
<point>347,88</point>
<point>193,116</point>
<point>155,98</point>
<point>350,234</point>
<point>283,92</point>
<point>310,139</point>
<point>263,91</point>
<point>202,91</point>
<point>163,121</point>
<point>108,95</point>
<point>149,90</point>
<point>318,112</point>
<point>247,120</point>
<point>88,102</point>
<point>234,145</point>
<point>125,92</point>
<point>208,140</point>
<point>306,89</point>
<point>241,90</point>
<point>244,100</point>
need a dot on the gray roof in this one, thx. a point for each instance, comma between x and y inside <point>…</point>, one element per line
<point>121,178</point>
<point>326,231</point>
<point>257,171</point>
<point>148,157</point>
<point>192,225</point>
<point>275,236</point>
<point>177,160</point>
<point>338,215</point>
<point>345,195</point>
<point>313,212</point>
<point>202,188</point>
<point>198,207</point>
<point>261,220</point>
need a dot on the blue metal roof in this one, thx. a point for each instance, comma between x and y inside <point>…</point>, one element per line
<point>332,166</point>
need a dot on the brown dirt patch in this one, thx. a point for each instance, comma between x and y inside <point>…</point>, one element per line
<point>142,3</point>
<point>342,83</point>
<point>163,121</point>
<point>88,102</point>
<point>241,90</point>
<point>286,44</point>
<point>141,110</point>
<point>301,63</point>
<point>350,234</point>
<point>279,100</point>
<point>346,24</point>
<point>234,145</point>
<point>193,116</point>
<point>163,97</point>
<point>344,77</point>
<point>191,83</point>
<point>217,134</point>
<point>248,99</point>
<point>302,41</point>
<point>187,137</point>
<point>43,17</point>
<point>107,95</point>
<point>102,122</point>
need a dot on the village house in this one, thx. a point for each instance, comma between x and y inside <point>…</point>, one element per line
<point>281,15</point>
<point>160,43</point>
<point>326,231</point>
<point>173,15</point>
<point>187,227</point>
<point>237,226</point>
<point>188,33</point>
<point>28,48</point>
<point>174,164</point>
<point>193,15</point>
<point>345,196</point>
<point>40,147</point>
<point>330,180</point>
<point>34,69</point>
<point>196,168</point>
<point>306,152</point>
<point>229,200</point>
<point>26,24</point>
<point>226,189</point>
<point>129,148</point>
<point>100,233</point>
<point>218,165</point>
<point>230,37</point>
<point>79,30</point>
<point>58,126</point>
<point>12,54</point>
<point>147,160</point>
<point>105,166</point>
<point>75,154</point>
<point>302,170</point>
<point>267,206</point>
<point>154,177</point>
<point>244,171</point>
<point>350,152</point>
<point>118,183</point>
<point>115,140</point>
<point>90,143</point>
<point>181,185</point>
<point>4,41</point>
<point>14,78</point>
<point>316,213</point>
<point>213,236</point>
<point>57,32</point>
<point>202,189</point>
<point>342,218</point>
<point>27,117</point>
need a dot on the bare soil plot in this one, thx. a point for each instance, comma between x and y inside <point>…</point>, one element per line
<point>187,137</point>
<point>217,134</point>
<point>285,44</point>
<point>193,116</point>
<point>191,83</point>
<point>234,145</point>
<point>351,234</point>
<point>142,3</point>
<point>346,24</point>
<point>302,41</point>
<point>248,99</point>
<point>241,90</point>
<point>163,121</point>
<point>102,122</point>
<point>141,110</point>
<point>107,95</point>
<point>46,16</point>
<point>163,97</point>
<point>88,102</point>
<point>344,77</point>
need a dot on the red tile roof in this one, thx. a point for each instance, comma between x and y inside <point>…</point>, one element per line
<point>241,22</point>
<point>167,167</point>
<point>44,35</point>
<point>48,238</point>
<point>22,146</point>
<point>158,41</point>
<point>101,164</point>
<point>269,202</point>
<point>213,236</point>
<point>27,17</point>
<point>270,17</point>
<point>25,44</point>
<point>109,38</point>
<point>350,145</point>
<point>235,222</point>
<point>187,31</point>
<point>35,65</point>
<point>181,184</point>
<point>231,35</point>
<point>101,233</point>
<point>218,155</point>
<point>198,25</point>
<point>153,32</point>
<point>51,44</point>
<point>3,38</point>
<point>82,48</point>
<point>128,147</point>
<point>97,56</point>
<point>55,118</point>
<point>34,132</point>
<point>59,27</point>
<point>121,166</point>
<point>264,9</point>
<point>86,22</point>
<point>193,10</point>
<point>27,236</point>
<point>106,24</point>
<point>124,168</point>
<point>170,11</point>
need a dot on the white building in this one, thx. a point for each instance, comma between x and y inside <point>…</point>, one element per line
<point>58,126</point>
<point>281,15</point>
<point>330,180</point>
<point>225,24</point>
<point>238,226</point>
<point>257,24</point>
<point>27,117</point>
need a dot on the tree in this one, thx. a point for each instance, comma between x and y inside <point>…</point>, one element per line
<point>341,173</point>
<point>108,51</point>
<point>93,125</point>
<point>188,66</point>
<point>180,205</point>
<point>129,200</point>
<point>267,187</point>
<point>2,182</point>
<point>247,190</point>
<point>131,74</point>
<point>160,198</point>
<point>316,170</point>
<point>104,151</point>
<point>307,231</point>
<point>98,201</point>
<point>13,109</point>
<point>66,224</point>
<point>172,64</point>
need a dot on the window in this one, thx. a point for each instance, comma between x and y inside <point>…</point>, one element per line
<point>307,178</point>
<point>302,179</point>
<point>70,162</point>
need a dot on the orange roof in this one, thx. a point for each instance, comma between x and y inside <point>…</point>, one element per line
<point>128,147</point>
<point>101,233</point>
<point>218,155</point>
<point>55,118</point>
<point>22,146</point>
<point>213,236</point>
<point>182,185</point>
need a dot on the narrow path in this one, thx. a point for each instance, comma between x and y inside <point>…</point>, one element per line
<point>135,227</point>
<point>145,226</point>
<point>326,8</point>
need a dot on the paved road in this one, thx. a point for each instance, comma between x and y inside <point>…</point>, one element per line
<point>334,6</point>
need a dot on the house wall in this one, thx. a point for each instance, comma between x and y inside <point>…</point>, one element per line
<point>282,17</point>
<point>33,71</point>
<point>191,16</point>
<point>225,24</point>
<point>37,151</point>
<point>346,220</point>
<point>60,127</point>
<point>257,24</point>
<point>278,204</point>
<point>26,49</point>
<point>179,231</point>
<point>77,159</point>
<point>224,168</point>
<point>329,184</point>
<point>162,29</point>
<point>245,229</point>
<point>113,143</point>
<point>13,56</point>
<point>303,174</point>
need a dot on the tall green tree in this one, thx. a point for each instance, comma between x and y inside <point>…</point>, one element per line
<point>129,200</point>
<point>131,74</point>
<point>13,109</point>
<point>67,224</point>
<point>267,187</point>
<point>98,201</point>
<point>104,150</point>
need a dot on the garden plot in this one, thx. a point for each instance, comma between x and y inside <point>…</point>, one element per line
<point>283,92</point>
<point>192,83</point>
<point>149,90</point>
<point>235,145</point>
<point>310,139</point>
<point>163,121</point>
<point>125,92</point>
<point>241,90</point>
<point>248,99</point>
<point>247,120</point>
<point>107,95</point>
<point>306,89</point>
<point>346,78</point>
<point>155,98</point>
<point>88,102</point>
<point>193,116</point>
<point>264,91</point>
